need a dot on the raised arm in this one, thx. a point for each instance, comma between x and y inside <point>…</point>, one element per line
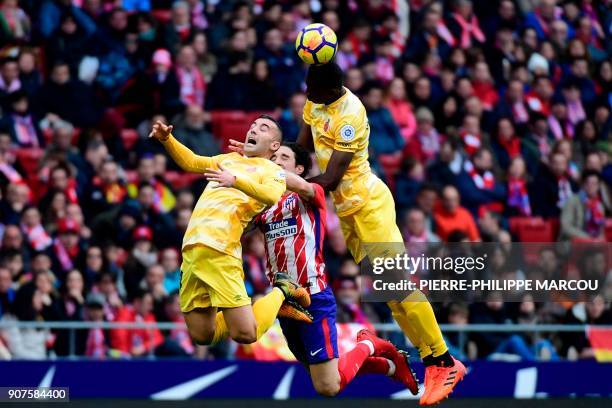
<point>182,155</point>
<point>338,163</point>
<point>298,185</point>
<point>305,137</point>
<point>268,191</point>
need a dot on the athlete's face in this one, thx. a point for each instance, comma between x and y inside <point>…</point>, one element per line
<point>285,158</point>
<point>262,139</point>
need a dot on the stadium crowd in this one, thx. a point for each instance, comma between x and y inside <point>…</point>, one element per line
<point>480,112</point>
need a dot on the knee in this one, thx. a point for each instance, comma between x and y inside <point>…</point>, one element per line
<point>327,388</point>
<point>201,338</point>
<point>244,335</point>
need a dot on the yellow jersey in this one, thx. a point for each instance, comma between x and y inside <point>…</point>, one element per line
<point>221,214</point>
<point>343,125</point>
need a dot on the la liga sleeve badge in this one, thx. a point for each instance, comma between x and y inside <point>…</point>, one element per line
<point>347,133</point>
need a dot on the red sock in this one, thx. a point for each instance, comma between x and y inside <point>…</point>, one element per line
<point>350,363</point>
<point>374,365</point>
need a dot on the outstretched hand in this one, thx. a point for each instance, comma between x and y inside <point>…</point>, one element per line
<point>222,176</point>
<point>236,146</point>
<point>160,131</point>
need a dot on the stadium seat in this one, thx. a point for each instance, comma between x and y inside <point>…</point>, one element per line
<point>129,138</point>
<point>29,159</point>
<point>162,16</point>
<point>609,229</point>
<point>180,180</point>
<point>228,125</point>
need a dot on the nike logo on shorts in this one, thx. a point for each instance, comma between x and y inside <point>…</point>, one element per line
<point>314,353</point>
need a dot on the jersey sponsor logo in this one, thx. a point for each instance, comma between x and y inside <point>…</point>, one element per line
<point>281,229</point>
<point>347,132</point>
<point>344,144</point>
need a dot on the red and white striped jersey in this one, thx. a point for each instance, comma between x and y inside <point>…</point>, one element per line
<point>294,229</point>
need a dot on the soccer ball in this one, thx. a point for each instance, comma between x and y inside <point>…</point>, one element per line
<point>316,44</point>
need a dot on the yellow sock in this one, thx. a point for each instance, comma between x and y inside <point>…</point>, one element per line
<point>400,317</point>
<point>265,311</point>
<point>420,316</point>
<point>221,331</point>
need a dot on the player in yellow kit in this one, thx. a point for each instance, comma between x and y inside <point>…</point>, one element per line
<point>336,126</point>
<point>212,278</point>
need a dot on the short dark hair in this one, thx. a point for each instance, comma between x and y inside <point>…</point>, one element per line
<point>590,173</point>
<point>302,157</point>
<point>326,76</point>
<point>270,118</point>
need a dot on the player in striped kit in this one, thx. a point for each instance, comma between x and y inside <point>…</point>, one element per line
<point>294,230</point>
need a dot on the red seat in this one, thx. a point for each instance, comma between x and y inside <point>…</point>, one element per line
<point>179,180</point>
<point>163,16</point>
<point>29,159</point>
<point>228,125</point>
<point>129,138</point>
<point>609,229</point>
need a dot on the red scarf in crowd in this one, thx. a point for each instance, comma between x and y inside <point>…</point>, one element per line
<point>517,195</point>
<point>594,215</point>
<point>10,173</point>
<point>512,146</point>
<point>469,29</point>
<point>520,113</point>
<point>471,142</point>
<point>37,237</point>
<point>64,255</point>
<point>192,85</point>
<point>484,181</point>
<point>96,344</point>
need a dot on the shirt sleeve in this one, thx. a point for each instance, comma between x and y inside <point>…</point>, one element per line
<point>186,159</point>
<point>268,190</point>
<point>306,115</point>
<point>349,133</point>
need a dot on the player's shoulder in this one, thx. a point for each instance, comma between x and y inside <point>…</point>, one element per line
<point>351,105</point>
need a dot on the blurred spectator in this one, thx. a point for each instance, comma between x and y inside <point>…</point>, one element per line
<point>415,229</point>
<point>349,309</point>
<point>137,342</point>
<point>190,130</point>
<point>67,251</point>
<point>518,202</point>
<point>71,308</point>
<point>7,291</point>
<point>291,118</point>
<point>388,140</point>
<point>192,86</point>
<point>401,111</point>
<point>584,214</point>
<point>450,216</point>
<point>552,187</point>
<point>477,185</point>
<point>68,98</point>
<point>172,272</point>
<point>97,344</point>
<point>595,311</point>
<point>141,258</point>
<point>20,123</point>
<point>425,144</point>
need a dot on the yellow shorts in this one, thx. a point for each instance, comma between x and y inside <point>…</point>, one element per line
<point>210,278</point>
<point>375,222</point>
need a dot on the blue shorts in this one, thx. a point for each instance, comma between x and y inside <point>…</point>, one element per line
<point>316,342</point>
